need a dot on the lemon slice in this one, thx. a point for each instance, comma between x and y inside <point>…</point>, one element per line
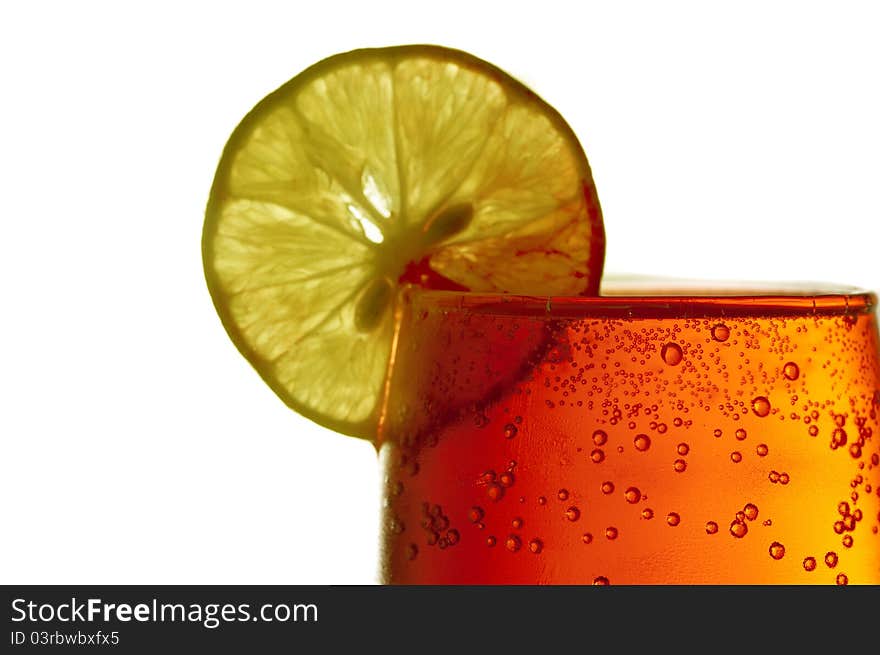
<point>377,168</point>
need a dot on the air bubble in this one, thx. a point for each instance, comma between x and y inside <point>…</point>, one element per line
<point>673,519</point>
<point>813,430</point>
<point>736,457</point>
<point>762,450</point>
<point>847,541</point>
<point>761,406</point>
<point>739,529</point>
<point>601,581</point>
<point>572,513</point>
<point>791,371</point>
<point>777,550</point>
<point>679,465</point>
<point>491,541</point>
<point>506,479</point>
<point>642,442</point>
<point>536,546</point>
<point>475,514</point>
<point>682,449</point>
<point>495,492</point>
<point>838,438</point>
<point>831,559</point>
<point>600,437</point>
<point>516,523</point>
<point>562,494</point>
<point>740,434</point>
<point>513,543</point>
<point>412,551</point>
<point>750,511</point>
<point>587,537</point>
<point>452,537</point>
<point>611,532</point>
<point>809,564</point>
<point>632,495</point>
<point>647,513</point>
<point>597,456</point>
<point>711,527</point>
<point>720,332</point>
<point>510,431</point>
<point>671,353</point>
<point>842,579</point>
<point>607,487</point>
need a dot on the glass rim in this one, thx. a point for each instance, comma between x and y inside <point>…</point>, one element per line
<point>633,296</point>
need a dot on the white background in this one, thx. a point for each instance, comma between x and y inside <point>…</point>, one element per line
<point>728,140</point>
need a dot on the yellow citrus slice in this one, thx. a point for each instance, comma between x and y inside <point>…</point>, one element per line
<point>377,168</point>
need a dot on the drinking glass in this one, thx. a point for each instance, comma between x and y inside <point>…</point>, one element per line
<point>660,433</point>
